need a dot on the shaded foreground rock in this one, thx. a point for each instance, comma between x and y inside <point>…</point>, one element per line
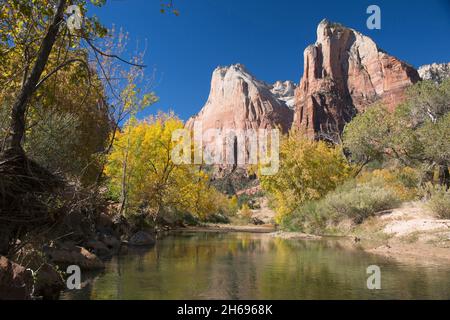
<point>256,221</point>
<point>48,283</point>
<point>75,255</point>
<point>98,248</point>
<point>16,282</point>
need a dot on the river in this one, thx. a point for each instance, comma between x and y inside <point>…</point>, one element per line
<point>188,265</point>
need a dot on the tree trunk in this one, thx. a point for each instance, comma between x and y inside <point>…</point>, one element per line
<point>444,175</point>
<point>17,126</point>
<point>25,176</point>
<point>123,191</point>
<point>5,240</point>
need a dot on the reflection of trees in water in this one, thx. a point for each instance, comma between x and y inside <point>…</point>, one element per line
<point>248,266</point>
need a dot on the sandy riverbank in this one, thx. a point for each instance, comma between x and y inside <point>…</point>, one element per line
<point>409,234</point>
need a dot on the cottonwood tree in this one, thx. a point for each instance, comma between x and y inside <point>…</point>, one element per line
<point>308,170</point>
<point>143,176</point>
<point>32,32</point>
<point>35,35</point>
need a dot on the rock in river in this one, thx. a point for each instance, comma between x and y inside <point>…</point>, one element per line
<point>142,238</point>
<point>74,256</point>
<point>48,283</point>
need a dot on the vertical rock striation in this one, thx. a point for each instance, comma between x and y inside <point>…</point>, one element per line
<point>345,72</point>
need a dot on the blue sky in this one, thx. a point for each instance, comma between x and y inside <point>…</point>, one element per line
<point>268,36</point>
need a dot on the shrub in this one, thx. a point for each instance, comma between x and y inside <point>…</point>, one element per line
<point>217,218</point>
<point>402,181</point>
<point>308,218</point>
<point>245,212</point>
<point>438,200</point>
<point>353,200</point>
<point>360,202</point>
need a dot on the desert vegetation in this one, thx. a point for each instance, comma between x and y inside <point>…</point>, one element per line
<point>384,159</point>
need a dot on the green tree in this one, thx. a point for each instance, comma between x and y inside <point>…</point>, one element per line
<point>416,134</point>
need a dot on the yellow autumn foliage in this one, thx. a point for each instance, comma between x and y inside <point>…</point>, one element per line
<point>402,181</point>
<point>308,170</point>
<point>140,169</point>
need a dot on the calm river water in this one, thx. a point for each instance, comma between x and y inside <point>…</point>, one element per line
<point>251,266</point>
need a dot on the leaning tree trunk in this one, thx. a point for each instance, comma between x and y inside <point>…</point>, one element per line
<point>22,181</point>
<point>5,239</point>
<point>17,126</point>
<point>444,175</point>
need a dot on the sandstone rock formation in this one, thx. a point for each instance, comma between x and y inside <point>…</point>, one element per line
<point>285,91</point>
<point>345,72</point>
<point>436,72</point>
<point>238,100</point>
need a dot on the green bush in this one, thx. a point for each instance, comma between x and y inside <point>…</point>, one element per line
<point>359,203</point>
<point>438,200</point>
<point>308,218</point>
<point>245,212</point>
<point>356,201</point>
<point>217,218</point>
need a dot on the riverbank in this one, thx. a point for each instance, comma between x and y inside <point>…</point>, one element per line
<point>409,234</point>
<point>229,228</point>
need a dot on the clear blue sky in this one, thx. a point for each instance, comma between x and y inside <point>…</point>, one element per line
<point>268,36</point>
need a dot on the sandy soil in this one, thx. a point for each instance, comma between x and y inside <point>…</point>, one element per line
<point>410,234</point>
<point>264,214</point>
<point>294,236</point>
<point>417,253</point>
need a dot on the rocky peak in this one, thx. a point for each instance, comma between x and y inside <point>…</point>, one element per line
<point>436,72</point>
<point>237,100</point>
<point>344,72</point>
<point>285,91</point>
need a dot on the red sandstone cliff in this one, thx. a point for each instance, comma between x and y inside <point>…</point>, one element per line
<point>345,72</point>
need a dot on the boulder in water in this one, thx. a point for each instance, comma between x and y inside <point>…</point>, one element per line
<point>142,238</point>
<point>74,256</point>
<point>48,283</point>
